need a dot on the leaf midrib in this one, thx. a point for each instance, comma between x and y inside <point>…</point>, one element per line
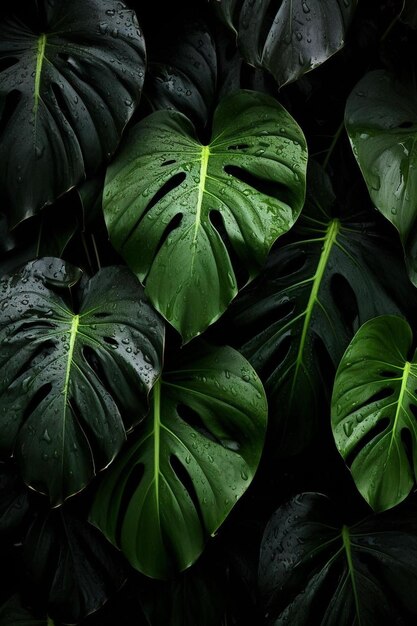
<point>330,238</point>
<point>348,551</point>
<point>40,56</point>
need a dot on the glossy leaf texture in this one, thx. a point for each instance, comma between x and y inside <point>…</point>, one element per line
<point>315,570</point>
<point>183,473</point>
<point>69,82</point>
<point>374,408</point>
<point>72,384</point>
<point>178,211</point>
<point>288,37</point>
<point>381,120</point>
<point>183,76</point>
<point>14,613</point>
<point>70,567</point>
<point>334,271</point>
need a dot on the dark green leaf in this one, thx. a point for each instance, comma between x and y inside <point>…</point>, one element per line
<point>14,613</point>
<point>286,37</point>
<point>374,408</point>
<point>14,501</point>
<point>195,458</point>
<point>314,570</point>
<point>409,13</point>
<point>381,119</point>
<point>169,202</point>
<point>71,384</point>
<point>294,323</point>
<point>67,88</point>
<point>70,566</point>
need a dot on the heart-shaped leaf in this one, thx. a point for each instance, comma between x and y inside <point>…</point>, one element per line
<point>315,570</point>
<point>381,119</point>
<point>288,38</point>
<point>334,271</point>
<point>71,384</point>
<point>374,408</point>
<point>70,567</point>
<point>181,476</point>
<point>69,81</point>
<point>174,207</point>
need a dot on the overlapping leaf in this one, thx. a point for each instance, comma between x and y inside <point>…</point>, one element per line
<point>70,566</point>
<point>315,570</point>
<point>70,78</point>
<point>286,37</point>
<point>182,474</point>
<point>72,383</point>
<point>381,120</point>
<point>295,321</point>
<point>170,202</point>
<point>374,408</point>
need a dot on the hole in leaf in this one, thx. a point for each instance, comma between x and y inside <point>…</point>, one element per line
<point>10,105</point>
<point>407,442</point>
<point>184,478</point>
<point>112,342</point>
<point>345,300</point>
<point>413,409</point>
<point>64,56</point>
<point>406,124</point>
<point>370,436</point>
<point>193,419</point>
<point>293,262</point>
<point>170,185</point>
<point>238,146</point>
<point>101,315</point>
<point>169,162</point>
<point>35,324</point>
<point>379,395</point>
<point>263,186</point>
<point>389,374</point>
<point>130,487</point>
<point>240,271</point>
<point>36,400</point>
<point>173,224</point>
<point>7,62</point>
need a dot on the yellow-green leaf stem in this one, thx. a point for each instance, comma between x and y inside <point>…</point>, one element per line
<point>40,56</point>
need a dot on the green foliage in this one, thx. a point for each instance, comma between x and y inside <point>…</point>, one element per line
<point>165,195</point>
<point>245,171</point>
<point>373,410</point>
<point>178,481</point>
<point>64,375</point>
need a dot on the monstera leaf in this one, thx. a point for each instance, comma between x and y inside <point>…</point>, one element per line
<point>70,566</point>
<point>286,37</point>
<point>381,120</point>
<point>183,76</point>
<point>181,476</point>
<point>374,408</point>
<point>294,323</point>
<point>72,383</point>
<point>174,207</point>
<point>314,570</point>
<point>69,81</point>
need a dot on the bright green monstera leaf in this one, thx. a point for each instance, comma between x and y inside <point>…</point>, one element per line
<point>334,271</point>
<point>73,378</point>
<point>71,74</point>
<point>286,37</point>
<point>182,474</point>
<point>175,207</point>
<point>381,119</point>
<point>374,409</point>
